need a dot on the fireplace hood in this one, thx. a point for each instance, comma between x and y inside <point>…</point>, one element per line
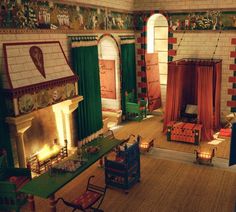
<point>36,75</point>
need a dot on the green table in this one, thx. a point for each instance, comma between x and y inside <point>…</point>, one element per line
<point>47,185</point>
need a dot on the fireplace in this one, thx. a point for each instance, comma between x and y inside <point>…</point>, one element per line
<point>40,91</point>
<point>43,159</point>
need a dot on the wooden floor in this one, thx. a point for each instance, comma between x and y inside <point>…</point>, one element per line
<point>165,185</point>
<point>152,128</point>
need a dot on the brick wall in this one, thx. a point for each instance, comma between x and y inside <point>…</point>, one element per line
<point>202,45</point>
<point>121,4</point>
<point>183,4</point>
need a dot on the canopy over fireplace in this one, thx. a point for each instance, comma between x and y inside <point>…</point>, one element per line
<point>36,75</point>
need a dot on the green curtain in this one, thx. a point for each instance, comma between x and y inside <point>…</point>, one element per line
<point>85,64</point>
<point>5,141</point>
<point>128,71</point>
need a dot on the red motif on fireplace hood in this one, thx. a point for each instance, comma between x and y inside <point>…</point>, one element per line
<point>37,56</point>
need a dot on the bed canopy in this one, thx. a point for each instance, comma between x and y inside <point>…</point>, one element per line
<point>195,82</point>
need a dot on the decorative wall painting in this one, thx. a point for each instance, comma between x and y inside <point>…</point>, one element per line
<point>26,14</point>
<point>197,20</point>
<point>107,79</point>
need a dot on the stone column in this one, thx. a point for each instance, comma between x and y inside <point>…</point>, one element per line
<point>57,109</point>
<point>69,107</point>
<point>21,123</point>
<point>63,113</point>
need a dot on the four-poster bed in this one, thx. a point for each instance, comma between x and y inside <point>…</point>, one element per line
<point>195,82</point>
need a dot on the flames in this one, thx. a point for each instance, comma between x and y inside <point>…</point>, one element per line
<point>144,145</point>
<point>204,155</point>
<point>47,152</point>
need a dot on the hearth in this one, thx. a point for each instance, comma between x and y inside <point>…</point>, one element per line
<point>37,76</point>
<point>43,159</point>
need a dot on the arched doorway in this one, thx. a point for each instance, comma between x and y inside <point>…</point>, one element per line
<point>157,42</point>
<point>109,64</point>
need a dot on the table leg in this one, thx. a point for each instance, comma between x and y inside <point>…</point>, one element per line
<point>31,202</point>
<point>52,203</point>
<point>101,163</point>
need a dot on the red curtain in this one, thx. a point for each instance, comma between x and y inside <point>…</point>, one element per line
<point>217,89</point>
<point>205,100</point>
<point>174,94</point>
<point>195,82</point>
<point>189,81</point>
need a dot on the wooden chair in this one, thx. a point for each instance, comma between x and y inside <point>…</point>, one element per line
<point>93,195</point>
<point>135,110</point>
<point>124,171</point>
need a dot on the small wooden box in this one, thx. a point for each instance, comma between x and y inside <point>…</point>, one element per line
<point>186,132</point>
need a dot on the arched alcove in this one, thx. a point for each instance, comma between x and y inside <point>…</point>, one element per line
<point>108,51</point>
<point>157,41</point>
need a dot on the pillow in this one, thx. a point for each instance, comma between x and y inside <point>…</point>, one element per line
<point>191,109</point>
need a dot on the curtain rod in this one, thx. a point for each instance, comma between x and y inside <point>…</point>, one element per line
<point>197,60</point>
<point>126,37</point>
<point>83,38</point>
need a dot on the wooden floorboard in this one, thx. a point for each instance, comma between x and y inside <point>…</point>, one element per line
<point>151,128</point>
<point>166,186</point>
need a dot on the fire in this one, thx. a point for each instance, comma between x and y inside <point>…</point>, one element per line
<point>204,155</point>
<point>144,145</point>
<point>47,152</point>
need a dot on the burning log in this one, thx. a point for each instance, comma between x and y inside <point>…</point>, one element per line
<point>43,159</point>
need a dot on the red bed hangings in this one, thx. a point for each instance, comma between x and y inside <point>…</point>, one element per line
<point>197,82</point>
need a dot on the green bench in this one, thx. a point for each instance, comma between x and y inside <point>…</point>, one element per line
<point>11,181</point>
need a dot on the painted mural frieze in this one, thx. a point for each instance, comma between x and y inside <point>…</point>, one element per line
<point>43,98</point>
<point>140,18</point>
<point>29,14</point>
<point>118,20</point>
<point>210,20</point>
<point>207,20</point>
